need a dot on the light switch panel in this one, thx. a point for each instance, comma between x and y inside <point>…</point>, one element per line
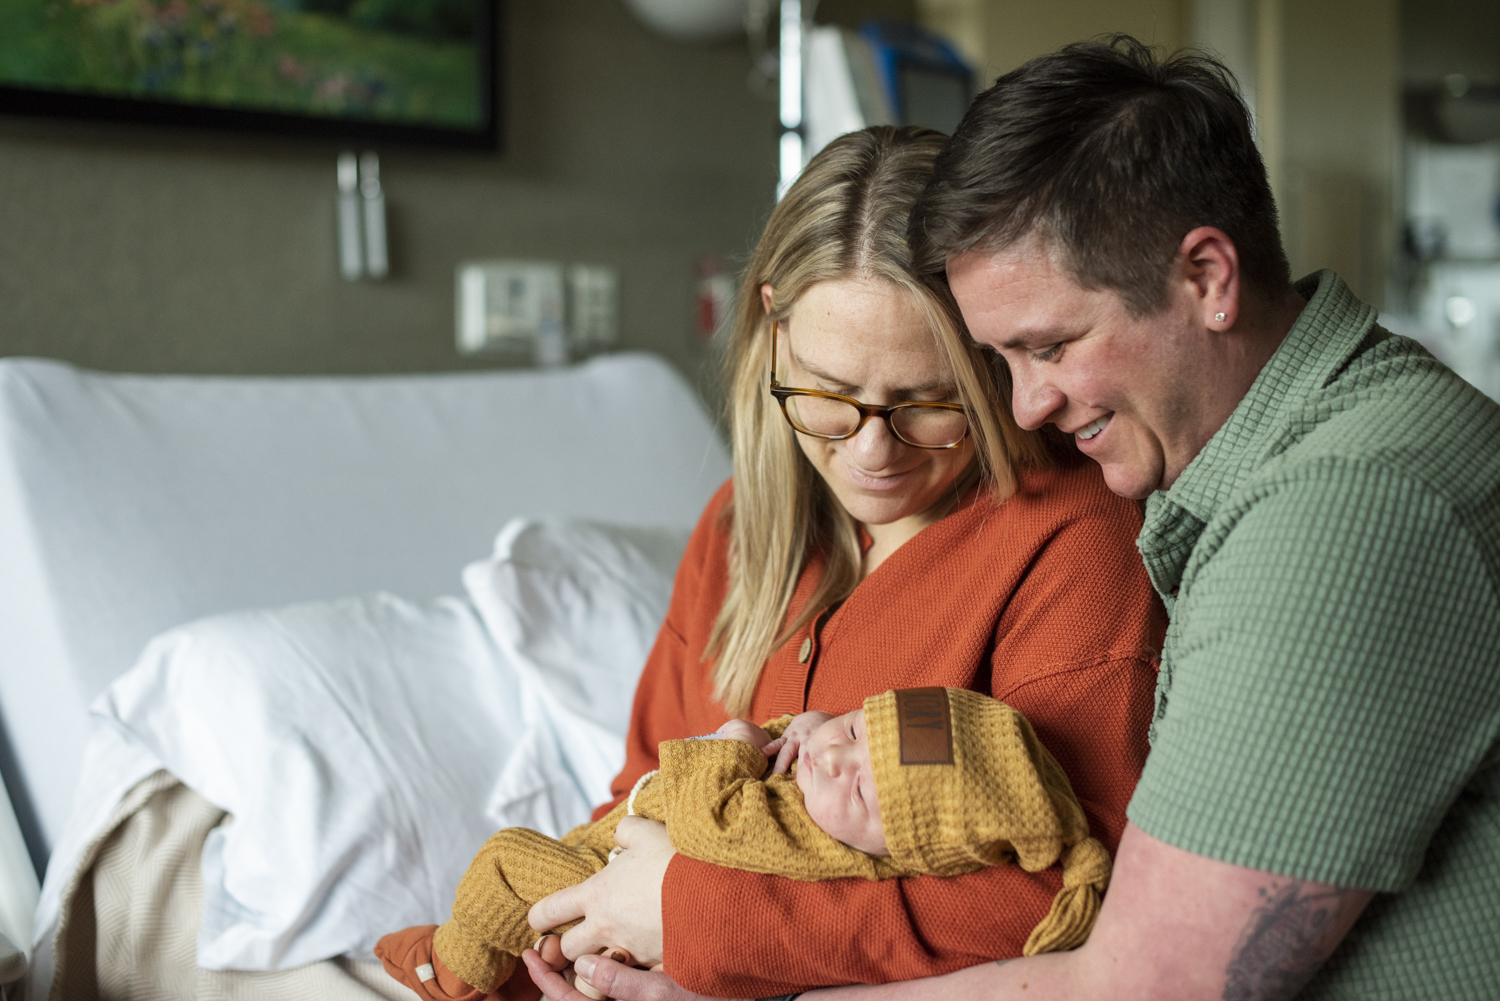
<point>593,307</point>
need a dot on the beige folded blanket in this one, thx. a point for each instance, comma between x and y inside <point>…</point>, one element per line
<point>128,929</point>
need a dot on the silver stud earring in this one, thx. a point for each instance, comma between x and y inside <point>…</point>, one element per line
<point>1219,317</point>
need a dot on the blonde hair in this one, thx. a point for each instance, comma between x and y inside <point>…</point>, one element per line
<point>845,217</point>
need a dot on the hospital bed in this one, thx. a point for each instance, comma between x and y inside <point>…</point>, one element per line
<point>130,505</point>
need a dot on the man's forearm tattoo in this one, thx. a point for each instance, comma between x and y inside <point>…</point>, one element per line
<point>1285,941</point>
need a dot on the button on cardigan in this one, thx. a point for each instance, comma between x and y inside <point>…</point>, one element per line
<point>1039,600</point>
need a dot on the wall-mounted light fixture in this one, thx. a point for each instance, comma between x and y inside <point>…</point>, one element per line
<point>361,218</point>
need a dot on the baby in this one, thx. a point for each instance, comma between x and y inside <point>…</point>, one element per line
<point>926,781</point>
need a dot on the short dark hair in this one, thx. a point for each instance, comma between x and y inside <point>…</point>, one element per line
<point>1114,152</point>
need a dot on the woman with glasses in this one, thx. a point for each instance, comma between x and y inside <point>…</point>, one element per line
<point>888,526</point>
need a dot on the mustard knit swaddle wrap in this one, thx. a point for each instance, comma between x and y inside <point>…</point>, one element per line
<point>962,781</point>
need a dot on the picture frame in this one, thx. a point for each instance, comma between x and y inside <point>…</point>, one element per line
<point>367,71</point>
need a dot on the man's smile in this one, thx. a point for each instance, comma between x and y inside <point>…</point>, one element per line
<point>1091,429</point>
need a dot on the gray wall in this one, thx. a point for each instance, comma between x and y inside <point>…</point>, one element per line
<point>136,248</point>
<point>1439,37</point>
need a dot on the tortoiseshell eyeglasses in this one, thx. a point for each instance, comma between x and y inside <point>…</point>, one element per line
<point>833,417</point>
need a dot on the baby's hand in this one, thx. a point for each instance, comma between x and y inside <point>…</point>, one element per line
<point>743,729</point>
<point>787,746</point>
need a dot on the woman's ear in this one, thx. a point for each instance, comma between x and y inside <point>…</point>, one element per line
<point>765,298</point>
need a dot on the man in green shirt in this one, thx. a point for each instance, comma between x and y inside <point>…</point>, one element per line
<point>1320,813</point>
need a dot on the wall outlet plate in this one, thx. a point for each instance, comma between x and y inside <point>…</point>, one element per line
<point>512,307</point>
<point>538,309</point>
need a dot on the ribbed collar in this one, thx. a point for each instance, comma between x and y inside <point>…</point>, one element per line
<point>1326,334</point>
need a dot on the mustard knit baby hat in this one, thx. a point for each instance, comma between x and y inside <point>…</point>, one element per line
<point>963,783</point>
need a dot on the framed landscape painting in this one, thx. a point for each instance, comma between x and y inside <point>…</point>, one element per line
<point>420,71</point>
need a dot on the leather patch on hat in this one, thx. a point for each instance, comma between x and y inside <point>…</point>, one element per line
<point>925,727</point>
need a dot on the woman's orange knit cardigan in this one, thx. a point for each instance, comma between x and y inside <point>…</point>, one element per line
<point>1040,601</point>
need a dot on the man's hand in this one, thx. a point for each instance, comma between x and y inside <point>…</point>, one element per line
<point>621,904</point>
<point>743,729</point>
<point>792,738</point>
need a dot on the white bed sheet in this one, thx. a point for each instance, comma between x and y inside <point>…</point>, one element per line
<point>129,504</point>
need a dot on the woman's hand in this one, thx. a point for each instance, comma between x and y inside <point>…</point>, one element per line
<point>792,738</point>
<point>621,904</point>
<point>613,980</point>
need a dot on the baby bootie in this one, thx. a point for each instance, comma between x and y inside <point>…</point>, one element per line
<point>407,955</point>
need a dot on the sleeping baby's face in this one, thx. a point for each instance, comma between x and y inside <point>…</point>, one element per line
<point>838,784</point>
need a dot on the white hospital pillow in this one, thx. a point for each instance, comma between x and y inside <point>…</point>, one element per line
<point>366,748</point>
<point>576,607</point>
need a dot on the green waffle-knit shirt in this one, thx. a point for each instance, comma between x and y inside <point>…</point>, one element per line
<point>1329,698</point>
